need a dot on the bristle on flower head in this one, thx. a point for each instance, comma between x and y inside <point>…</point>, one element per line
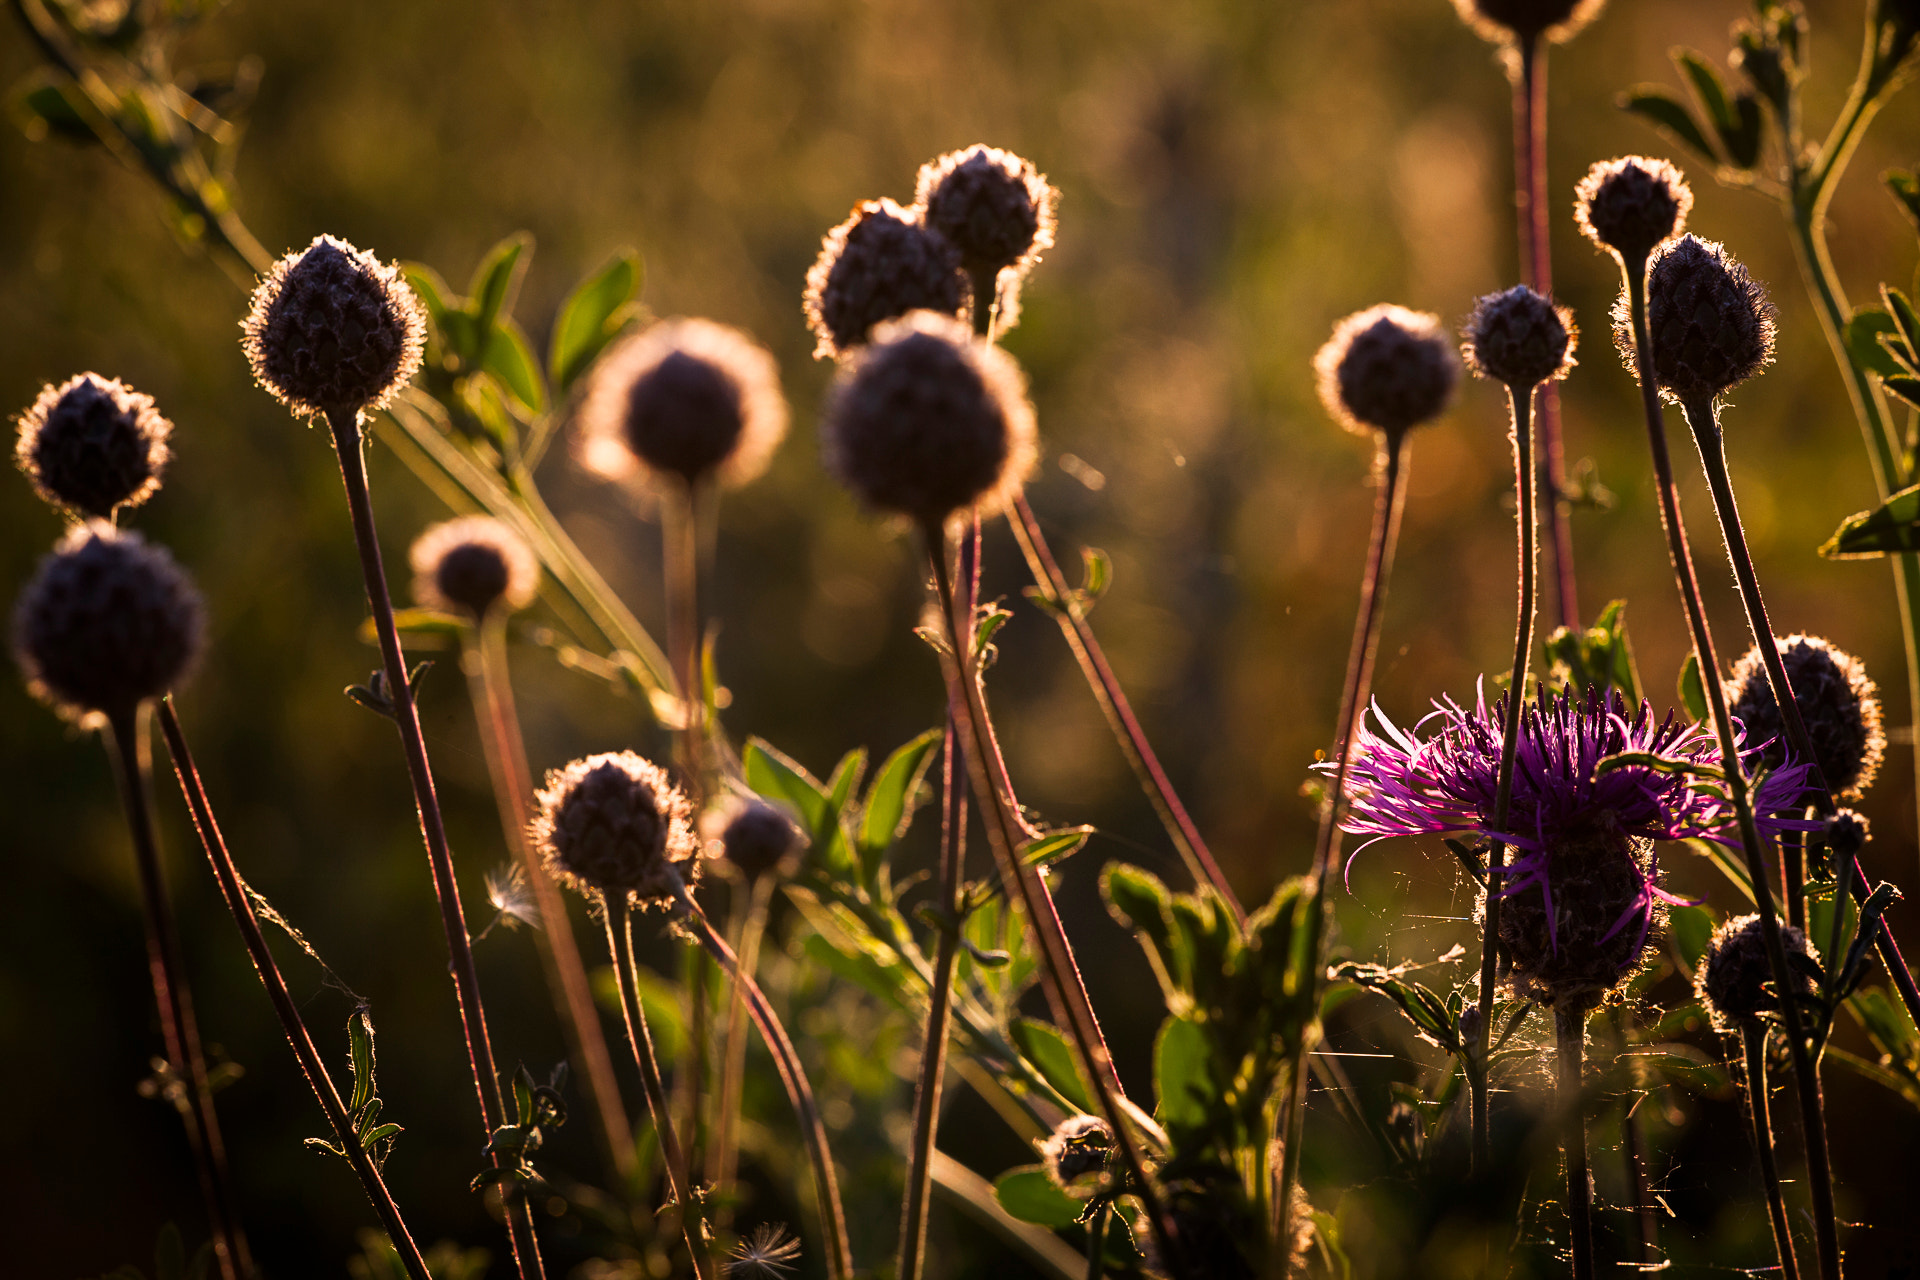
<point>107,622</point>
<point>878,265</point>
<point>1387,369</point>
<point>1709,323</point>
<point>1631,205</point>
<point>472,564</point>
<point>613,825</point>
<point>93,445</point>
<point>1519,339</point>
<point>1838,701</point>
<point>1735,977</point>
<point>332,329</point>
<point>1513,21</point>
<point>926,421</point>
<point>686,398</point>
<point>991,205</point>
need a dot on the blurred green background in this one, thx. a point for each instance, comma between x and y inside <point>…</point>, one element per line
<point>1234,178</point>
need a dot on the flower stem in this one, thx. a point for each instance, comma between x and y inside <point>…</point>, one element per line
<point>1525,518</point>
<point>1807,1083</point>
<point>1647,1233</point>
<point>491,687</point>
<point>1097,1242</point>
<point>185,1060</point>
<point>235,891</point>
<point>723,1157</point>
<point>1753,1038</point>
<point>347,443</point>
<point>1059,975</point>
<point>1570,1029</point>
<point>794,1076</point>
<point>620,946</point>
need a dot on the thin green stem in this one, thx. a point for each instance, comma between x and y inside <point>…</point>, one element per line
<point>723,1157</point>
<point>1753,1039</point>
<point>1570,1031</point>
<point>235,891</point>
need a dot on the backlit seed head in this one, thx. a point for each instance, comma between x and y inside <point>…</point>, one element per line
<point>927,421</point>
<point>1387,369</point>
<point>1511,21</point>
<point>1519,339</point>
<point>1847,833</point>
<point>878,265</point>
<point>753,835</point>
<point>1838,700</point>
<point>1735,978</point>
<point>1709,323</point>
<point>614,825</point>
<point>332,328</point>
<point>1078,1146</point>
<point>93,445</point>
<point>107,622</point>
<point>1631,205</point>
<point>991,205</point>
<point>472,564</point>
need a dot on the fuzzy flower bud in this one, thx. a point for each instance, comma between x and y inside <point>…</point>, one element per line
<point>1580,930</point>
<point>107,622</point>
<point>1519,339</point>
<point>614,825</point>
<point>93,445</point>
<point>1079,1146</point>
<point>991,205</point>
<point>927,421</point>
<point>1735,978</point>
<point>1709,323</point>
<point>1387,369</point>
<point>1513,21</point>
<point>1847,834</point>
<point>471,564</point>
<point>1837,699</point>
<point>1631,205</point>
<point>333,329</point>
<point>686,398</point>
<point>753,835</point>
<point>878,265</point>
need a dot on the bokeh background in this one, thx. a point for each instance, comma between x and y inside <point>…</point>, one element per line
<point>1234,178</point>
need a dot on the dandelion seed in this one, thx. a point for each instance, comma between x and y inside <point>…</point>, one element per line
<point>511,897</point>
<point>770,1249</point>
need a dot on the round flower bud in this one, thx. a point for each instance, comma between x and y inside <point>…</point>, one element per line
<point>1519,338</point>
<point>927,421</point>
<point>1847,834</point>
<point>1574,935</point>
<point>1386,369</point>
<point>1735,978</point>
<point>1512,21</point>
<point>878,265</point>
<point>93,445</point>
<point>333,329</point>
<point>991,205</point>
<point>1078,1146</point>
<point>753,835</point>
<point>614,825</point>
<point>471,564</point>
<point>1709,323</point>
<point>686,398</point>
<point>107,622</point>
<point>1838,701</point>
<point>1631,205</point>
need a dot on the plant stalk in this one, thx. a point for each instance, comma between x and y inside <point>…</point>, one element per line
<point>1753,1039</point>
<point>1570,1030</point>
<point>723,1156</point>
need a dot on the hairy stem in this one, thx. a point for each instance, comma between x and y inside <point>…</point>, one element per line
<point>1753,1039</point>
<point>1570,1030</point>
<point>235,891</point>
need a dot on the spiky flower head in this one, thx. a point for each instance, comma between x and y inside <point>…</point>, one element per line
<point>1514,21</point>
<point>1838,700</point>
<point>333,329</point>
<point>93,445</point>
<point>685,398</point>
<point>1709,323</point>
<point>991,205</point>
<point>614,825</point>
<point>107,621</point>
<point>1519,339</point>
<point>1078,1146</point>
<point>1631,205</point>
<point>1847,833</point>
<point>753,835</point>
<point>1580,890</point>
<point>471,564</point>
<point>1387,369</point>
<point>1735,978</point>
<point>878,265</point>
<point>926,421</point>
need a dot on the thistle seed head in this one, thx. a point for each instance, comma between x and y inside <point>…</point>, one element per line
<point>1078,1146</point>
<point>332,328</point>
<point>1838,700</point>
<point>991,205</point>
<point>927,421</point>
<point>470,565</point>
<point>613,825</point>
<point>1512,21</point>
<point>1847,834</point>
<point>1387,369</point>
<point>93,445</point>
<point>686,398</point>
<point>753,835</point>
<point>1735,978</point>
<point>1519,339</point>
<point>878,265</point>
<point>1631,205</point>
<point>107,622</point>
<point>1709,323</point>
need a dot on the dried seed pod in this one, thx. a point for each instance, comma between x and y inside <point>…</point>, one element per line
<point>1709,324</point>
<point>1838,701</point>
<point>878,265</point>
<point>614,825</point>
<point>1519,339</point>
<point>1735,978</point>
<point>333,329</point>
<point>1631,205</point>
<point>93,445</point>
<point>1387,369</point>
<point>991,205</point>
<point>471,564</point>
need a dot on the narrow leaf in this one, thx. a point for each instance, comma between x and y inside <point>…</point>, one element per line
<point>508,358</point>
<point>1863,335</point>
<point>1047,1048</point>
<point>1705,80</point>
<point>892,797</point>
<point>591,317</point>
<point>1054,847</point>
<point>1692,690</point>
<point>497,279</point>
<point>1894,525</point>
<point>360,1043</point>
<point>1658,106</point>
<point>775,776</point>
<point>1181,1080</point>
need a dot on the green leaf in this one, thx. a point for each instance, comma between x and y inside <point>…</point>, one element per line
<point>430,289</point>
<point>1906,189</point>
<point>1097,575</point>
<point>508,358</point>
<point>1658,106</point>
<point>1426,1011</point>
<point>1690,928</point>
<point>1658,763</point>
<point>892,798</point>
<point>1743,140</point>
<point>497,279</point>
<point>1027,1193</point>
<point>1054,847</point>
<point>360,1048</point>
<point>1181,1079</point>
<point>1692,690</point>
<point>591,317</point>
<point>1047,1047</point>
<point>774,776</point>
<point>1894,525</point>
<point>1597,657</point>
<point>1721,113</point>
<point>1863,341</point>
<point>1140,902</point>
<point>43,104</point>
<point>381,1134</point>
